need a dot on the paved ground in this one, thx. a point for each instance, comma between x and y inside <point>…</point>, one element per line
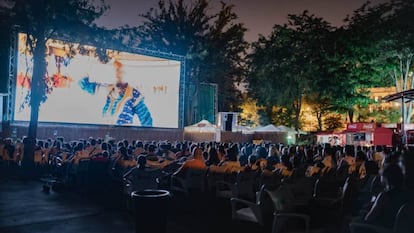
<point>25,207</point>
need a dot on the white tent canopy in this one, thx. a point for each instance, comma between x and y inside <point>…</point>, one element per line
<point>203,126</point>
<point>267,128</point>
<point>283,128</point>
<point>244,129</point>
<point>289,130</point>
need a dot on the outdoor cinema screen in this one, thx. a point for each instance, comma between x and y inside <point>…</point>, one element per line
<point>88,86</point>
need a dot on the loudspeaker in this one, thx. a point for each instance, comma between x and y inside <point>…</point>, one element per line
<point>229,122</point>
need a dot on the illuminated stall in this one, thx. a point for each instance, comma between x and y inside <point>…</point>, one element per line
<point>360,134</point>
<point>332,138</point>
<point>370,134</point>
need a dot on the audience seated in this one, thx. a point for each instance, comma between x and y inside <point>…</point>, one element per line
<point>388,202</point>
<point>142,177</point>
<point>196,161</point>
<point>230,162</point>
<point>212,158</point>
<point>144,164</point>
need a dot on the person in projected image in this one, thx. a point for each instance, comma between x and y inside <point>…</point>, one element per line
<point>123,101</point>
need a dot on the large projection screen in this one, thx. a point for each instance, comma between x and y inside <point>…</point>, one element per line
<point>119,88</point>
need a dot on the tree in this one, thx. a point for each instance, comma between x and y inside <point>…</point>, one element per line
<point>321,105</point>
<point>42,20</point>
<point>333,122</point>
<point>213,45</point>
<point>286,66</point>
<point>397,46</point>
<point>249,114</point>
<point>388,47</point>
<point>351,61</point>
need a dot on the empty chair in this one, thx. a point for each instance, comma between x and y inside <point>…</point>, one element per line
<point>226,188</point>
<point>254,212</point>
<point>214,176</point>
<point>288,207</point>
<point>143,179</point>
<point>270,180</point>
<point>194,180</point>
<point>245,186</point>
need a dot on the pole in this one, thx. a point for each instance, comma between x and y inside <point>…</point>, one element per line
<point>403,138</point>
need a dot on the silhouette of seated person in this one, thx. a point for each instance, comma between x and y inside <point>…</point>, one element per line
<point>379,155</point>
<point>230,162</point>
<point>93,148</point>
<point>8,149</point>
<point>79,153</point>
<point>386,205</point>
<point>360,170</point>
<point>271,163</point>
<point>212,158</point>
<point>367,190</point>
<point>122,162</point>
<point>195,161</point>
<point>101,157</point>
<point>245,152</point>
<point>142,177</point>
<point>165,151</point>
<point>324,166</point>
<point>139,148</point>
<point>156,161</point>
<point>261,155</point>
<point>407,165</point>
<point>285,167</point>
<point>252,164</point>
<point>38,154</point>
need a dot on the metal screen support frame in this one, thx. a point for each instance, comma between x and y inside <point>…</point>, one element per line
<point>11,83</point>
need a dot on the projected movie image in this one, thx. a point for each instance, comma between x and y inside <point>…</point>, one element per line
<point>88,86</point>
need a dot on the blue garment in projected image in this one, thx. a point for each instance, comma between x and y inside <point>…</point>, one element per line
<point>122,101</point>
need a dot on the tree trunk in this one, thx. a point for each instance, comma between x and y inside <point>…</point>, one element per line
<point>297,108</point>
<point>319,118</point>
<point>37,93</point>
<point>351,115</point>
<point>269,114</point>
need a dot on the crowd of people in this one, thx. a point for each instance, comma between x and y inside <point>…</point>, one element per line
<point>382,176</point>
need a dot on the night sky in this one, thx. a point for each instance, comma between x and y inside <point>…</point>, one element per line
<point>259,16</point>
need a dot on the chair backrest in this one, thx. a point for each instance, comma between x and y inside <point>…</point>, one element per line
<point>282,197</point>
<point>349,195</point>
<point>404,220</point>
<point>213,176</point>
<point>146,179</point>
<point>271,181</point>
<point>246,183</point>
<point>98,170</point>
<point>302,189</point>
<point>83,166</point>
<point>196,178</point>
<point>326,188</point>
<point>376,186</point>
